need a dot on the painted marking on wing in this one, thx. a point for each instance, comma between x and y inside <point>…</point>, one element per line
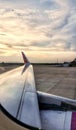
<point>73,121</point>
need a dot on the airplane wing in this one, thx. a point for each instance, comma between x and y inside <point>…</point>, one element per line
<point>18,98</point>
<point>23,108</point>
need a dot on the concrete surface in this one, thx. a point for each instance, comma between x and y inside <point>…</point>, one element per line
<point>55,80</point>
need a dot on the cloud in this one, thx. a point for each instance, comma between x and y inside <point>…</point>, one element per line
<point>43,25</point>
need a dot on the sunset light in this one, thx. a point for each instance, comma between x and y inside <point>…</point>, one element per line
<point>44,29</point>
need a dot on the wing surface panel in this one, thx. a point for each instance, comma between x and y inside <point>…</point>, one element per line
<point>18,96</point>
<point>55,120</point>
<point>29,110</point>
<point>11,87</point>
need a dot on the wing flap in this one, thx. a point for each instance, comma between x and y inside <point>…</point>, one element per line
<point>56,120</point>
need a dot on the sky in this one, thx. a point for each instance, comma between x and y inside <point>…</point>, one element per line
<point>44,29</point>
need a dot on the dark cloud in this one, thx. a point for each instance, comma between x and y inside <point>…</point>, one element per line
<point>8,45</point>
<point>21,45</point>
<point>2,51</point>
<point>2,34</point>
<point>40,43</point>
<point>49,5</point>
<point>64,22</point>
<point>72,4</point>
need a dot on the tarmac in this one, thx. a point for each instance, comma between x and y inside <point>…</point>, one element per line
<point>59,81</point>
<point>54,80</point>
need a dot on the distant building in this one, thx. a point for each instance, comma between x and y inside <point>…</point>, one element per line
<point>66,64</point>
<point>73,63</point>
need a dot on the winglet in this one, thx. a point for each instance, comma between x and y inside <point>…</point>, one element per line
<point>25,58</point>
<point>26,61</point>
